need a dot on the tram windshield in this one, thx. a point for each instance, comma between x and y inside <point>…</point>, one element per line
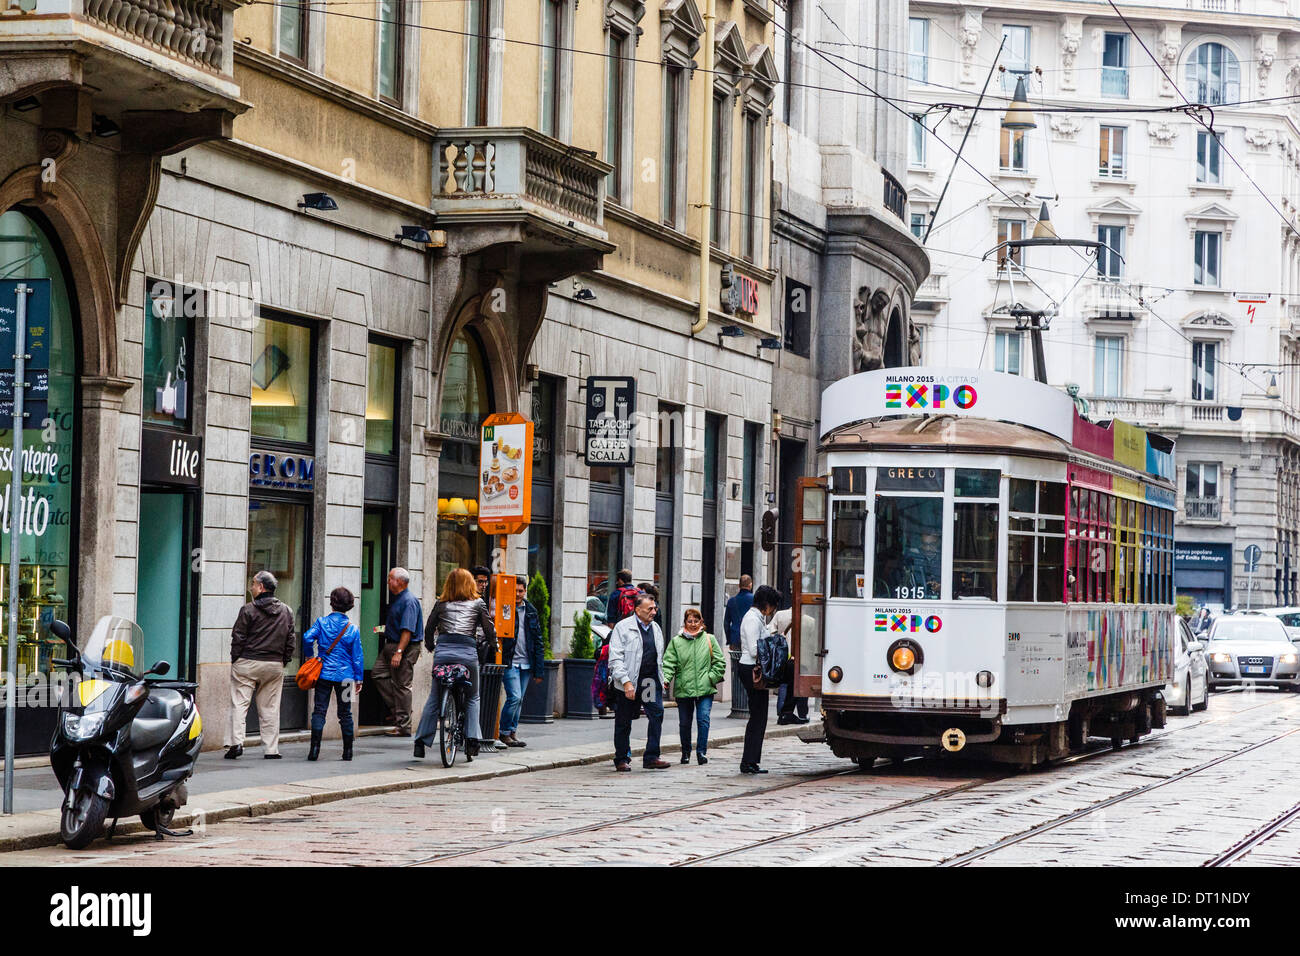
<point>909,547</point>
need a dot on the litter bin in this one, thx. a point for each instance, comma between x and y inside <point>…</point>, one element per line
<point>490,680</point>
<point>739,695</point>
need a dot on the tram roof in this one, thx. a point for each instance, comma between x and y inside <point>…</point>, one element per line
<point>980,409</point>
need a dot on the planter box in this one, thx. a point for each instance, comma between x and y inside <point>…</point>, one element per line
<point>577,689</point>
<point>539,699</point>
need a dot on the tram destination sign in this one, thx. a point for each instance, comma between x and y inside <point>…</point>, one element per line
<point>611,420</point>
<point>964,392</point>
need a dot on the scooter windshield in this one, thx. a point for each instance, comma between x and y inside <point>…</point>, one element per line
<point>114,646</point>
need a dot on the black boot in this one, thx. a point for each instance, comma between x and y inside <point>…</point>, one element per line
<point>314,752</point>
<point>347,747</point>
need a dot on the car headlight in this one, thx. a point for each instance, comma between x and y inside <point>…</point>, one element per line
<point>1290,658</point>
<point>83,726</point>
<point>1221,657</point>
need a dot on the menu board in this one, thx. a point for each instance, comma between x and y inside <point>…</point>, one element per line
<point>505,474</point>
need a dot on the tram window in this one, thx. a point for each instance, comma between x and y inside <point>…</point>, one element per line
<point>1020,568</point>
<point>1051,568</point>
<point>848,548</point>
<point>1036,541</point>
<point>1022,495</point>
<point>976,483</point>
<point>849,481</point>
<point>909,546</point>
<point>975,550</point>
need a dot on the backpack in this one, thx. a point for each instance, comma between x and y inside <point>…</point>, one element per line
<point>626,602</point>
<point>774,659</point>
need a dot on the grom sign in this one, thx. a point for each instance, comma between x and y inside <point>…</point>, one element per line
<point>611,411</point>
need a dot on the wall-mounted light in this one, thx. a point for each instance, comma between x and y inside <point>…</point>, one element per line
<point>731,331</point>
<point>735,490</point>
<point>769,344</point>
<point>321,202</point>
<point>414,234</point>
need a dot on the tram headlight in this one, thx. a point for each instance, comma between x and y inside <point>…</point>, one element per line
<point>835,675</point>
<point>904,655</point>
<point>984,678</point>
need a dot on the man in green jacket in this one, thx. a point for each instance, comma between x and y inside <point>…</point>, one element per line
<point>695,659</point>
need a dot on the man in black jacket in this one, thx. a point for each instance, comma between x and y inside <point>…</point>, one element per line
<point>261,645</point>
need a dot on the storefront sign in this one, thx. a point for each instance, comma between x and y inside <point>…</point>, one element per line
<point>741,297</point>
<point>947,391</point>
<point>268,469</point>
<point>611,412</point>
<point>170,459</point>
<point>1202,557</point>
<point>505,494</point>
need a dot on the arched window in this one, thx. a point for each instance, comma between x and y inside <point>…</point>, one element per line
<point>466,389</point>
<point>1213,76</point>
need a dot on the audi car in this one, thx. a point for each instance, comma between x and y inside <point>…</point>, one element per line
<point>1252,649</point>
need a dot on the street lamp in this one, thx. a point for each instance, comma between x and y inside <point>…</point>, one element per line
<point>1043,228</point>
<point>1019,115</point>
<point>1273,391</point>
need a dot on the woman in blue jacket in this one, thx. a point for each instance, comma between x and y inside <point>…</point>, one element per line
<point>337,640</point>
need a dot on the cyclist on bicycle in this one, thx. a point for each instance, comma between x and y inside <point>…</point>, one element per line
<point>450,633</point>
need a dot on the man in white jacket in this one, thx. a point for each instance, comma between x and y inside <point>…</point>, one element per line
<point>753,626</point>
<point>636,666</point>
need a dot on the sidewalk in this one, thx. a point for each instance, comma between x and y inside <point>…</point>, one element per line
<point>251,786</point>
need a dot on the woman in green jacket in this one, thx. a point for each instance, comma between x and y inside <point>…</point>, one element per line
<point>695,658</point>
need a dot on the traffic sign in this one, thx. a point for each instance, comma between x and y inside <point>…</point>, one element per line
<point>1253,554</point>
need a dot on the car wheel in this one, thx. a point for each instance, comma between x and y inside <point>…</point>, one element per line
<point>1186,709</point>
<point>1205,697</point>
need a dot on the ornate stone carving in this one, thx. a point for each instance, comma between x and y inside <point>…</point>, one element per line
<point>869,329</point>
<point>1259,139</point>
<point>1066,125</point>
<point>1265,52</point>
<point>1171,41</point>
<point>913,344</point>
<point>1071,37</point>
<point>972,25</point>
<point>1162,134</point>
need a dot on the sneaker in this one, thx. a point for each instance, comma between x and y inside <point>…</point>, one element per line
<point>657,765</point>
<point>235,751</point>
<point>623,767</point>
<point>270,756</point>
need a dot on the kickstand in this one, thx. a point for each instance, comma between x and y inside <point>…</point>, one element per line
<point>161,831</point>
<point>112,829</point>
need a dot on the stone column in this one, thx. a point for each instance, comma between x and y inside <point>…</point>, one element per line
<point>101,405</point>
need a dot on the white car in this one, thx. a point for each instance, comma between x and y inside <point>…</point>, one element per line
<point>1290,618</point>
<point>1190,689</point>
<point>1252,649</point>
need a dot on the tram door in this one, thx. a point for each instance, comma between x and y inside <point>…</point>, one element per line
<point>808,601</point>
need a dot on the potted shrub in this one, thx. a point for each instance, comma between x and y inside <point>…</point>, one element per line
<point>539,699</point>
<point>579,669</point>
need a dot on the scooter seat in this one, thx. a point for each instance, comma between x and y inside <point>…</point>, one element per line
<point>147,733</point>
<point>163,704</point>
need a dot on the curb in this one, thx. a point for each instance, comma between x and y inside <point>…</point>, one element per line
<point>43,825</point>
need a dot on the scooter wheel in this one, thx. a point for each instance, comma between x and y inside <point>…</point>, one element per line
<point>80,825</point>
<point>158,816</point>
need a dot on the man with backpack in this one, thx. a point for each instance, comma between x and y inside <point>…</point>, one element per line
<point>622,600</point>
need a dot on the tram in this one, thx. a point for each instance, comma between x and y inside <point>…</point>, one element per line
<point>981,570</point>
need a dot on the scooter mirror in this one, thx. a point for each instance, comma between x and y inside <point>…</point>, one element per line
<point>64,633</point>
<point>161,669</point>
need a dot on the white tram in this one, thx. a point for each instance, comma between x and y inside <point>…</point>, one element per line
<point>982,570</point>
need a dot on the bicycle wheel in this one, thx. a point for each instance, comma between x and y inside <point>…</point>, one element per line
<point>448,724</point>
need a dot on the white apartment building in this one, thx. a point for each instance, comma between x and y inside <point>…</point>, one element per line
<point>1159,331</point>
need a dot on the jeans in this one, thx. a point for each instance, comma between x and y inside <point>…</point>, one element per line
<point>756,726</point>
<point>516,682</point>
<point>342,690</point>
<point>700,708</point>
<point>787,704</point>
<point>427,731</point>
<point>625,711</point>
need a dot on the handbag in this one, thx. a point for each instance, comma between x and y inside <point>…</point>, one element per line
<point>309,672</point>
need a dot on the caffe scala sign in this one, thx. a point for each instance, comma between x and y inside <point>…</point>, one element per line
<point>168,458</point>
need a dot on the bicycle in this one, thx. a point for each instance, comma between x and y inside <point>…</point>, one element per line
<point>455,685</point>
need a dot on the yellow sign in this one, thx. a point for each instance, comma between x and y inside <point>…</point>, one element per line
<point>1130,445</point>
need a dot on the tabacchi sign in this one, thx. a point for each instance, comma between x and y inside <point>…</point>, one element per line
<point>611,411</point>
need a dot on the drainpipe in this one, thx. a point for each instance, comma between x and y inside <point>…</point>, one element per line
<point>706,180</point>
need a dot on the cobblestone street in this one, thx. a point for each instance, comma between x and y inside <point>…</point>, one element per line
<point>1188,794</point>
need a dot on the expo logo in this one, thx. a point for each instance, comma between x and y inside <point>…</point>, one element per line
<point>908,623</point>
<point>929,396</point>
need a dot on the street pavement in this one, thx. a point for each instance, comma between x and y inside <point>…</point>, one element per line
<point>1184,796</point>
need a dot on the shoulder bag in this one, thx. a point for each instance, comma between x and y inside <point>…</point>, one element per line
<point>309,672</point>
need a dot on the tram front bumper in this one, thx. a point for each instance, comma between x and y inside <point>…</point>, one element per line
<point>910,728</point>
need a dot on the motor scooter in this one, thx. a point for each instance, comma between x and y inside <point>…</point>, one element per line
<point>124,744</point>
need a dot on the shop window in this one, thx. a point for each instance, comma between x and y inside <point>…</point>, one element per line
<point>466,401</point>
<point>277,542</point>
<point>543,411</point>
<point>1036,541</point>
<point>604,558</point>
<point>282,380</point>
<point>663,578</point>
<point>712,443</point>
<point>169,314</point>
<point>45,578</point>
<point>381,400</point>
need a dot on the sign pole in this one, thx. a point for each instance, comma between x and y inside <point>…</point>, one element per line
<point>15,540</point>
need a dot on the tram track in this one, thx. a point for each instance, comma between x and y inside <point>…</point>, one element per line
<point>966,859</point>
<point>1099,750</point>
<point>1255,838</point>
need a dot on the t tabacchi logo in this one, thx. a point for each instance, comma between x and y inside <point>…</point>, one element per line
<point>77,910</point>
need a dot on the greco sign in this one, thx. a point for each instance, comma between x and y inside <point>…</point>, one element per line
<point>611,418</point>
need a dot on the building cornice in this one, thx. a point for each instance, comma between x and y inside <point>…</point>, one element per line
<point>1138,13</point>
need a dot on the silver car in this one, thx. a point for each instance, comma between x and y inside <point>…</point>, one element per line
<point>1252,649</point>
<point>1190,688</point>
